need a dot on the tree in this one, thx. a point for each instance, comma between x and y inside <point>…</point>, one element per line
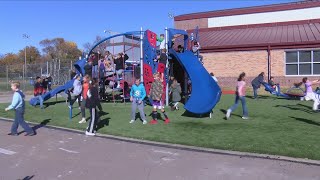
<point>60,48</point>
<point>101,48</point>
<point>32,53</point>
<point>10,59</point>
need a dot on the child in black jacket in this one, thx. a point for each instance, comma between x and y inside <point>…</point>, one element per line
<point>91,103</point>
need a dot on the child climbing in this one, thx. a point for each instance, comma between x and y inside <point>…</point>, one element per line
<point>162,42</point>
<point>156,92</point>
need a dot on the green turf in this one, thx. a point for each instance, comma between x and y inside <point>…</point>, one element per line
<point>276,126</point>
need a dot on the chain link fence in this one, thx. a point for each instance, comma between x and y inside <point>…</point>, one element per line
<point>59,70</point>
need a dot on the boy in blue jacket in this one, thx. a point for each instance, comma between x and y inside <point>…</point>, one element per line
<point>18,106</point>
<point>137,94</point>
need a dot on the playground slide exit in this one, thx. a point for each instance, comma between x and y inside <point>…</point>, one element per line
<point>205,92</point>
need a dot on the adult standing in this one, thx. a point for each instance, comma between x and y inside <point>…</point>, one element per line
<point>256,83</point>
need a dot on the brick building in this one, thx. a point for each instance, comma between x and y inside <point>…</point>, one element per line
<point>282,40</point>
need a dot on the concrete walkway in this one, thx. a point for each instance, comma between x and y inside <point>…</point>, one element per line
<point>56,154</point>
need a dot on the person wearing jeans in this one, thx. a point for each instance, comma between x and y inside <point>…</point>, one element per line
<point>18,105</point>
<point>256,83</point>
<point>38,91</point>
<point>137,94</point>
<point>240,95</point>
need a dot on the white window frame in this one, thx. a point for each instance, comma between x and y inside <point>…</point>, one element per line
<point>298,62</point>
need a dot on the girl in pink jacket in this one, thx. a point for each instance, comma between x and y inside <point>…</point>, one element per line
<point>240,95</point>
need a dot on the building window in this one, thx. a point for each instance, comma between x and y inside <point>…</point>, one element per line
<point>304,62</point>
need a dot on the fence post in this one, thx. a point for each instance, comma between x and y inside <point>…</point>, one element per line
<point>59,73</point>
<point>23,78</point>
<point>7,74</point>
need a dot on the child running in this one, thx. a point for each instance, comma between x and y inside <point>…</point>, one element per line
<point>19,106</point>
<point>156,92</point>
<point>309,94</point>
<point>240,95</point>
<point>137,94</point>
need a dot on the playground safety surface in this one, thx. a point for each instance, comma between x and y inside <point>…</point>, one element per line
<point>59,154</point>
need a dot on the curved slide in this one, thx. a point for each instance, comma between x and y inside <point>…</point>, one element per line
<point>52,93</point>
<point>205,92</point>
<point>79,65</point>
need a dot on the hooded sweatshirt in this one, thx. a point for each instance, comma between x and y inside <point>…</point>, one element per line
<point>17,100</point>
<point>138,92</point>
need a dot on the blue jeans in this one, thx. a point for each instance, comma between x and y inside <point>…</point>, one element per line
<point>244,105</point>
<point>255,92</point>
<point>95,71</point>
<point>39,97</point>
<point>18,119</point>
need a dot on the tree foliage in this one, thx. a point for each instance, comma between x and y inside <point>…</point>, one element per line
<point>59,48</point>
<point>32,54</point>
<point>10,59</point>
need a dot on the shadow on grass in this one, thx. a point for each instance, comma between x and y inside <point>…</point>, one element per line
<point>308,121</point>
<point>159,116</point>
<point>262,97</point>
<point>76,115</point>
<point>190,114</point>
<point>47,104</point>
<point>225,112</point>
<point>102,123</point>
<point>298,107</point>
<point>139,117</point>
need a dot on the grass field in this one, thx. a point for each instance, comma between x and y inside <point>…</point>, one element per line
<point>276,126</point>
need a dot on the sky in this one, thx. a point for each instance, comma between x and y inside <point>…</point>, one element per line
<point>82,21</point>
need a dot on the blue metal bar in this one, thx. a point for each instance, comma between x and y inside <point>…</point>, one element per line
<point>110,37</point>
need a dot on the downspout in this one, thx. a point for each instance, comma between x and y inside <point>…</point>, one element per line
<point>269,62</point>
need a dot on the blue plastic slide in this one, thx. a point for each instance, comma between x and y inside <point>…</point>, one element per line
<point>205,92</point>
<point>34,101</point>
<point>79,66</point>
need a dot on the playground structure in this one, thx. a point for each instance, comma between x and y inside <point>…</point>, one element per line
<point>205,92</point>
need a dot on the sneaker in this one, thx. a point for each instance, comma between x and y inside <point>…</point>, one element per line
<point>153,121</point>
<point>144,122</point>
<point>166,121</point>
<point>245,117</point>
<point>132,121</point>
<point>90,134</point>
<point>13,134</point>
<point>83,120</point>
<point>228,113</point>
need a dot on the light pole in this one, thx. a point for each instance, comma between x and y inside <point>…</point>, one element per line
<point>25,36</point>
<point>171,16</point>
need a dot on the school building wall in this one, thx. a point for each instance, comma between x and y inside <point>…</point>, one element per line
<point>228,65</point>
